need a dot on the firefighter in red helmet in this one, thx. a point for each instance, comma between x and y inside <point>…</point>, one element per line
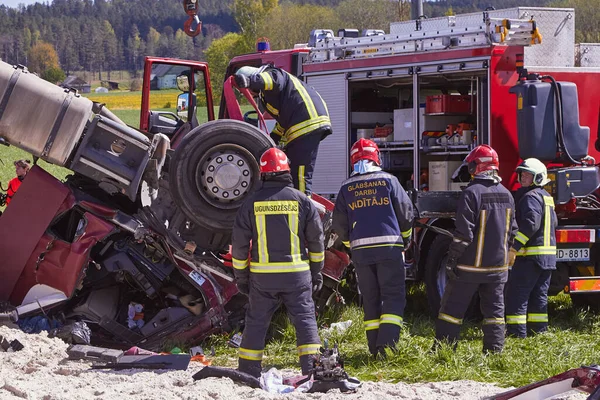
<point>478,258</point>
<point>281,223</point>
<point>373,216</point>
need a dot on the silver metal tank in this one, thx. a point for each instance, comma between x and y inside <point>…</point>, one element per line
<point>40,117</point>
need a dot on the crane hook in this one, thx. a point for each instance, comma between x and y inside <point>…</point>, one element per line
<point>191,9</point>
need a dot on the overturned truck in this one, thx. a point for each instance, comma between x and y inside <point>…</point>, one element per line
<point>135,241</point>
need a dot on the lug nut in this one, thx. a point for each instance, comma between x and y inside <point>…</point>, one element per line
<point>229,158</point>
<point>236,192</point>
<point>215,189</point>
<point>244,184</point>
<point>246,172</point>
<point>219,160</point>
<point>225,194</point>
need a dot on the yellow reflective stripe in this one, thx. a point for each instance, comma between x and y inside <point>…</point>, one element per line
<point>407,234</point>
<point>380,245</point>
<point>310,106</point>
<point>294,238</point>
<point>268,81</point>
<point>316,257</point>
<point>537,317</point>
<point>301,181</point>
<point>471,268</point>
<point>305,127</point>
<point>493,321</point>
<point>261,225</point>
<point>516,319</point>
<point>521,238</point>
<point>449,318</point>
<point>537,251</point>
<point>371,324</point>
<point>239,264</point>
<point>307,349</point>
<point>278,130</point>
<point>549,205</point>
<point>481,237</point>
<point>390,319</point>
<point>248,354</point>
<point>278,267</point>
<point>346,243</point>
<point>272,109</point>
<point>506,232</point>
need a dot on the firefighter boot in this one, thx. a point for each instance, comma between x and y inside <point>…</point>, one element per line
<point>250,367</point>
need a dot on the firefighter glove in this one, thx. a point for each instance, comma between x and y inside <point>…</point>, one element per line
<point>451,268</point>
<point>242,81</point>
<point>243,288</point>
<point>512,255</point>
<point>317,282</point>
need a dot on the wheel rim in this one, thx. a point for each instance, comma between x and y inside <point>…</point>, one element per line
<point>225,175</point>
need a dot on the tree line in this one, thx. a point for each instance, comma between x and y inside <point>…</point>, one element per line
<point>101,36</point>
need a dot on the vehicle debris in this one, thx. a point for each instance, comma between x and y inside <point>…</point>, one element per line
<point>233,374</point>
<point>92,353</point>
<point>10,346</point>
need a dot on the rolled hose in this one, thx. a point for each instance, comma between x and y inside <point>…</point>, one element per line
<point>559,118</point>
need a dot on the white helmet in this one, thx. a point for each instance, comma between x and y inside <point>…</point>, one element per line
<point>536,168</point>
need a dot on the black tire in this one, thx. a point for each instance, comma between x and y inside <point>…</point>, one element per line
<point>436,279</point>
<point>190,179</point>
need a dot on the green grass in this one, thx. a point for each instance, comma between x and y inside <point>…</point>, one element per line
<point>572,341</point>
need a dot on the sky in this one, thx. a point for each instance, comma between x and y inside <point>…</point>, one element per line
<point>15,3</point>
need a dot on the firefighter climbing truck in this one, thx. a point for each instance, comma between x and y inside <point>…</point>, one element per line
<point>432,89</point>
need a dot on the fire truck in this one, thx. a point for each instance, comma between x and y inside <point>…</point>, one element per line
<point>432,89</point>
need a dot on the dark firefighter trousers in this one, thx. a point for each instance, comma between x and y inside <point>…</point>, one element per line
<point>262,305</point>
<point>455,302</point>
<point>302,153</point>
<point>527,298</point>
<point>383,293</point>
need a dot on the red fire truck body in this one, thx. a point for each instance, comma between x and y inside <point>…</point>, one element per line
<point>367,80</point>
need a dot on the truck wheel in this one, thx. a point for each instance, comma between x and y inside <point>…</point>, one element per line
<point>435,273</point>
<point>436,278</point>
<point>214,169</point>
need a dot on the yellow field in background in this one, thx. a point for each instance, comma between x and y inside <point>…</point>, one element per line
<point>133,100</point>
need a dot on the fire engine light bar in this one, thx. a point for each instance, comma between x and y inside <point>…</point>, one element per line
<point>575,236</point>
<point>583,285</point>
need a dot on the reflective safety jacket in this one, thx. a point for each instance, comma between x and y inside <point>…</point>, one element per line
<point>297,107</point>
<point>373,216</point>
<point>13,185</point>
<point>485,230</point>
<point>537,221</point>
<point>282,223</point>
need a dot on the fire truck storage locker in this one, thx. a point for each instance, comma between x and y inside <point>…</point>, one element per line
<point>588,54</point>
<point>332,161</point>
<point>557,27</point>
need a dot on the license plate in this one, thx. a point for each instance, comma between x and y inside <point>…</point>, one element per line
<point>199,279</point>
<point>566,254</point>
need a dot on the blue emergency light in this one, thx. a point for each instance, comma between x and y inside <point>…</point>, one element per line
<point>263,44</point>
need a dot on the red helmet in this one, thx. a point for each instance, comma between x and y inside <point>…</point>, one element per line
<point>273,161</point>
<point>482,158</point>
<point>364,149</point>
